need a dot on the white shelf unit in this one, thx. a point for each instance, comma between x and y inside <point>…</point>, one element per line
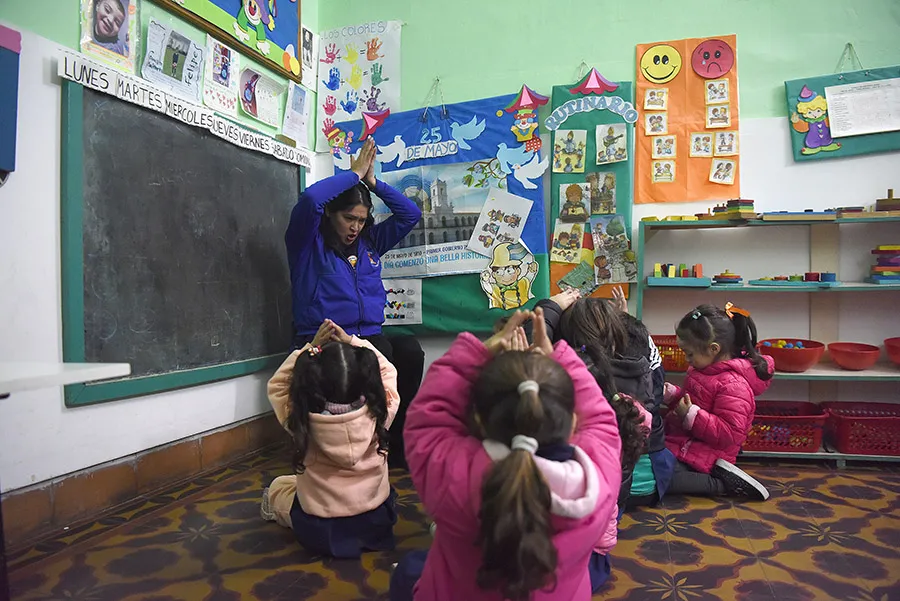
<point>824,255</point>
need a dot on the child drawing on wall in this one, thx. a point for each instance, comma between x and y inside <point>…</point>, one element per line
<point>811,118</point>
<point>506,283</point>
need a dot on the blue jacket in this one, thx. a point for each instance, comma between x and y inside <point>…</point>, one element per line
<point>323,283</point>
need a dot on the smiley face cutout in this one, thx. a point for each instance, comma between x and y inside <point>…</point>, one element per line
<point>660,63</point>
<point>712,59</point>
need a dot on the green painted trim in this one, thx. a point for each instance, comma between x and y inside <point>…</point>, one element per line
<point>72,280</point>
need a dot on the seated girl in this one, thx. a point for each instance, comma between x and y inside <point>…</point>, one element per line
<point>337,397</point>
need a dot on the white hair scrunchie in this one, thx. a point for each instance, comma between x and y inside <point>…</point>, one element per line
<point>524,443</point>
<point>527,385</point>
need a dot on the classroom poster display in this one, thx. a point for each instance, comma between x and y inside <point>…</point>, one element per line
<point>359,73</point>
<point>220,81</point>
<point>688,89</point>
<point>450,159</point>
<point>173,61</point>
<point>844,114</point>
<point>404,302</point>
<point>265,29</point>
<point>110,32</point>
<point>593,105</point>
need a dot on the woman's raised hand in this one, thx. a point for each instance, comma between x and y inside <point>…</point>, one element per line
<point>363,163</point>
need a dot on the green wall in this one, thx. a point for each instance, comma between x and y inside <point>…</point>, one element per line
<point>482,48</point>
<point>64,28</point>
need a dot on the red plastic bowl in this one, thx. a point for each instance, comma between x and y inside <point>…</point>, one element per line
<point>854,355</point>
<point>794,360</point>
<point>892,346</point>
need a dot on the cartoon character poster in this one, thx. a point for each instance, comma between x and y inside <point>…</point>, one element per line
<point>582,278</point>
<point>614,260</point>
<point>574,201</point>
<point>603,192</point>
<point>502,218</point>
<point>359,74</point>
<point>675,148</point>
<point>508,279</point>
<point>569,146</point>
<point>266,29</point>
<point>612,145</point>
<point>567,242</point>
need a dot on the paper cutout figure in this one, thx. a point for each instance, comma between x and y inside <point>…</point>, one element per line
<point>717,91</point>
<point>701,144</point>
<point>510,157</point>
<point>811,118</point>
<point>289,61</point>
<point>508,212</point>
<point>256,15</point>
<point>568,150</point>
<point>396,150</point>
<point>726,143</point>
<point>567,241</point>
<point>660,64</point>
<point>663,172</point>
<point>722,172</point>
<point>718,115</point>
<point>594,83</point>
<point>581,278</point>
<point>463,133</point>
<point>614,261</point>
<point>656,123</point>
<point>508,277</point>
<point>712,58</point>
<point>372,121</point>
<point>612,143</point>
<point>573,202</point>
<point>525,123</point>
<point>656,99</point>
<point>663,147</point>
<point>534,169</point>
<point>603,192</point>
<point>338,140</point>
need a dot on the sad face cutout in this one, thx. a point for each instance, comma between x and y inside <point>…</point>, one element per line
<point>712,59</point>
<point>660,63</point>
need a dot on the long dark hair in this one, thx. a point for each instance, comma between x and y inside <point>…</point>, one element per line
<point>735,335</point>
<point>516,536</point>
<point>349,198</point>
<point>589,335</point>
<point>340,374</point>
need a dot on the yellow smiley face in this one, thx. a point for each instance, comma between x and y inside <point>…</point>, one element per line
<point>660,63</point>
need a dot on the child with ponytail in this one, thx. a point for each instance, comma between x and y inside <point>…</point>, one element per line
<point>711,414</point>
<point>337,397</point>
<point>513,449</point>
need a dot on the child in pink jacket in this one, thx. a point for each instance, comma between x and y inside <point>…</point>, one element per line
<point>712,413</point>
<point>337,397</point>
<point>520,489</point>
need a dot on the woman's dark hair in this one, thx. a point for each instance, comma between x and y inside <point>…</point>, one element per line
<point>340,374</point>
<point>516,536</point>
<point>589,330</point>
<point>736,336</point>
<point>346,200</point>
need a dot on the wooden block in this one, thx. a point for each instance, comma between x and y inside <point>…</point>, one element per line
<point>698,270</point>
<point>685,273</point>
<point>657,270</point>
<point>671,271</point>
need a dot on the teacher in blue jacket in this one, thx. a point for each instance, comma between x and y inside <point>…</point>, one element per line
<point>334,250</point>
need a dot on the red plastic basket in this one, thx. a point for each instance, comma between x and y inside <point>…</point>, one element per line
<point>673,359</point>
<point>786,427</point>
<point>864,428</point>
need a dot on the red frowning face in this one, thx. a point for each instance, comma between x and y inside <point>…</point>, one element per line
<point>712,59</point>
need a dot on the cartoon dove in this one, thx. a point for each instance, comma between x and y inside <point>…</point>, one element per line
<point>529,171</point>
<point>394,150</point>
<point>509,157</point>
<point>469,131</point>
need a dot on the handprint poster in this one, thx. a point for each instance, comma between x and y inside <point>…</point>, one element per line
<point>359,73</point>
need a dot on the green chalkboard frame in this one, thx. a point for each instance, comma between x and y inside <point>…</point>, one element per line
<point>72,280</point>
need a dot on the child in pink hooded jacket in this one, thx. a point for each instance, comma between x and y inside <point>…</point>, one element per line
<point>337,397</point>
<point>520,488</point>
<point>712,413</point>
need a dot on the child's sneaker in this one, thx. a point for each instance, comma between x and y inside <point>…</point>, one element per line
<point>265,512</point>
<point>737,482</point>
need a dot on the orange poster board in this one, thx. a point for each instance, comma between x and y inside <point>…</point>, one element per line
<point>687,145</point>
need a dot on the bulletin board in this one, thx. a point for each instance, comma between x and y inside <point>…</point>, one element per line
<point>877,98</point>
<point>688,144</point>
<point>578,107</point>
<point>452,159</point>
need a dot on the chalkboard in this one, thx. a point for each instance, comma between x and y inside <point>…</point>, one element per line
<point>174,240</point>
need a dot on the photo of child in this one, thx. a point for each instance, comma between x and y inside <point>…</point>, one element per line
<point>717,91</point>
<point>663,147</point>
<point>176,52</point>
<point>722,172</point>
<point>568,150</point>
<point>656,99</point>
<point>109,29</point>
<point>701,144</point>
<point>612,143</point>
<point>718,115</point>
<point>726,143</point>
<point>573,202</point>
<point>663,172</point>
<point>655,124</point>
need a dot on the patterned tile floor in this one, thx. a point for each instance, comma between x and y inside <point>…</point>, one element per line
<point>824,534</point>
